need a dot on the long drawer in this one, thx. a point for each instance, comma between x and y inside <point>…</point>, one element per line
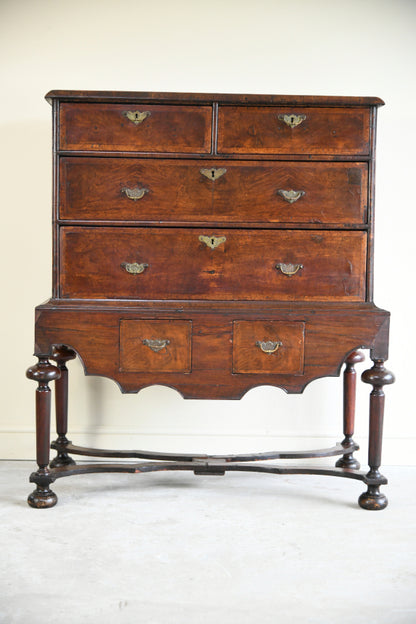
<point>166,190</point>
<point>297,130</point>
<point>130,128</point>
<point>176,263</point>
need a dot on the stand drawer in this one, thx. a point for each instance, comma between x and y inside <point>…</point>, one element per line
<point>297,130</point>
<point>155,345</point>
<point>268,347</point>
<point>135,128</point>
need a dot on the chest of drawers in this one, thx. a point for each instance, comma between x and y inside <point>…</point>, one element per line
<point>211,243</point>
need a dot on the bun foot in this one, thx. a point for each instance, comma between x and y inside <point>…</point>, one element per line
<point>348,463</point>
<point>42,498</point>
<point>373,499</point>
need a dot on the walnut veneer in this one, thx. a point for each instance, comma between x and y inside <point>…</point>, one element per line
<point>211,243</point>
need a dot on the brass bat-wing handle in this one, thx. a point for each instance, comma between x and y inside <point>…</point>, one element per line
<point>156,344</point>
<point>134,268</point>
<point>268,346</point>
<point>134,193</point>
<point>288,269</point>
<point>290,195</point>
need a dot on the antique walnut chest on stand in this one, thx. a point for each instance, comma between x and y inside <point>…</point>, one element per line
<point>211,243</point>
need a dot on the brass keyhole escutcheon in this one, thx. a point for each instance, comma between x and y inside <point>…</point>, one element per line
<point>292,120</point>
<point>213,173</point>
<point>137,117</point>
<point>212,241</point>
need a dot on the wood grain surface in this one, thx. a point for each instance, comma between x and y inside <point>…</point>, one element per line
<point>105,127</point>
<point>176,191</point>
<point>259,130</point>
<point>243,267</point>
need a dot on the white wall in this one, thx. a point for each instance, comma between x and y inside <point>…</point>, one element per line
<point>330,47</point>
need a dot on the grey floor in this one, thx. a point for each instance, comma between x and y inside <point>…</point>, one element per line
<point>174,548</point>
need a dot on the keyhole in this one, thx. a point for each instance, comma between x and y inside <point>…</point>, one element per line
<point>136,116</point>
<point>292,119</point>
<point>212,241</point>
<point>212,173</point>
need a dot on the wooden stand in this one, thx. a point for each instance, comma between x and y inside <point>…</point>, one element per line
<point>63,465</point>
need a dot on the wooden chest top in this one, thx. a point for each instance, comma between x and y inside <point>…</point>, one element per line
<point>213,241</point>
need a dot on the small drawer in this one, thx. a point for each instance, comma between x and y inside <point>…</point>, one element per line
<point>297,130</point>
<point>268,347</point>
<point>155,345</point>
<point>135,128</point>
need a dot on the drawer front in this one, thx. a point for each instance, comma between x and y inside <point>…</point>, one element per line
<point>178,263</point>
<point>268,347</point>
<point>162,190</point>
<point>268,130</point>
<point>132,189</point>
<point>135,128</point>
<point>154,345</point>
<point>292,192</point>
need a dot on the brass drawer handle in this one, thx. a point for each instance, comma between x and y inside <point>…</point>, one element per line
<point>134,268</point>
<point>134,193</point>
<point>156,344</point>
<point>137,117</point>
<point>291,196</point>
<point>213,173</point>
<point>292,120</point>
<point>268,346</point>
<point>288,268</point>
<point>212,241</point>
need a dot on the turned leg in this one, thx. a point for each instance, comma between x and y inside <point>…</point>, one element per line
<point>378,377</point>
<point>347,460</point>
<point>61,354</point>
<point>43,372</point>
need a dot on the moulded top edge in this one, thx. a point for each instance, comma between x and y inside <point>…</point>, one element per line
<point>208,98</point>
<point>173,306</point>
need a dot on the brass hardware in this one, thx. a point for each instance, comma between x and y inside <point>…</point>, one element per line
<point>212,241</point>
<point>292,120</point>
<point>137,117</point>
<point>156,344</point>
<point>288,268</point>
<point>268,346</point>
<point>134,268</point>
<point>134,193</point>
<point>290,196</point>
<point>213,174</point>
